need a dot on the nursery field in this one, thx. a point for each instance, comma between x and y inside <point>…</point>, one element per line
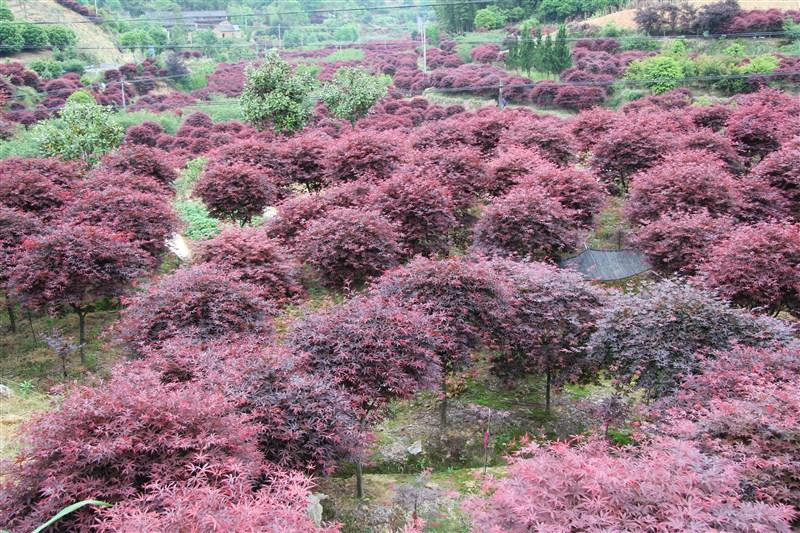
<point>313,278</point>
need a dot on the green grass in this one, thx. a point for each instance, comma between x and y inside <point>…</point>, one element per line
<point>188,177</point>
<point>24,355</point>
<point>24,402</point>
<point>611,229</point>
<point>168,121</point>
<point>198,223</point>
<point>200,70</point>
<point>466,42</point>
<point>23,144</point>
<point>218,108</point>
<point>345,54</point>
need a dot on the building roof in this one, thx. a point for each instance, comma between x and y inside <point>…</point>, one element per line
<point>226,26</point>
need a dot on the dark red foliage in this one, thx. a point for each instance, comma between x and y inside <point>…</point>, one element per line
<point>716,144</point>
<point>15,227</point>
<point>421,209</point>
<point>75,266</point>
<point>32,192</point>
<point>349,246</point>
<point>602,44</point>
<point>714,117</point>
<point>200,301</point>
<point>485,53</point>
<point>293,216</point>
<point>756,266</point>
<point>762,121</point>
<point>591,125</point>
<point>543,94</point>
<point>577,190</point>
<point>468,295</point>
<point>63,173</point>
<point>248,255</point>
<point>578,97</point>
<point>147,219</point>
<point>677,242</point>
<point>686,181</point>
<point>363,155</point>
<point>305,422</point>
<point>553,314</point>
<point>303,159</point>
<point>442,134</point>
<point>198,120</point>
<point>141,160</point>
<point>757,20</point>
<point>511,164</point>
<point>631,145</point>
<point>101,179</point>
<point>526,223</point>
<point>460,168</point>
<point>113,442</point>
<point>236,191</point>
<point>373,347</point>
<point>145,133</point>
<point>549,135</point>
<point>781,170</point>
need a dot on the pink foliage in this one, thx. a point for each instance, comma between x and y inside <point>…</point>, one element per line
<point>526,223</point>
<point>201,301</point>
<point>114,442</point>
<point>421,209</point>
<point>236,191</point>
<point>248,255</point>
<point>686,181</point>
<point>677,242</point>
<point>757,266</point>
<point>667,484</point>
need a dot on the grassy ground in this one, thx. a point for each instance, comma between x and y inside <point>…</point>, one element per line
<point>24,402</point>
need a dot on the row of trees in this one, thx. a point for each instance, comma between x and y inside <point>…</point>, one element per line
<point>537,54</point>
<point>278,97</point>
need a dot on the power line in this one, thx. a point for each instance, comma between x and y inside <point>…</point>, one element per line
<point>268,14</point>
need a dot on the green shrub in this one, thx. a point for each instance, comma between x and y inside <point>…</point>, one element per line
<point>659,74</point>
<point>11,39</point>
<point>46,68</point>
<point>168,121</point>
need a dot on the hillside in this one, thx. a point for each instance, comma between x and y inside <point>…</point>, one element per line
<point>624,18</point>
<point>89,35</point>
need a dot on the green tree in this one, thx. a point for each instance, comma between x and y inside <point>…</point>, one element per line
<point>5,12</point>
<point>659,74</point>
<point>61,37</point>
<point>207,40</point>
<point>11,39</point>
<point>46,68</point>
<point>489,18</point>
<point>134,40</point>
<point>346,33</point>
<point>83,131</point>
<point>277,96</point>
<point>34,35</point>
<point>561,58</point>
<point>352,92</point>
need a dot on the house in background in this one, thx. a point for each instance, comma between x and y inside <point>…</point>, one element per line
<point>226,30</point>
<point>192,20</point>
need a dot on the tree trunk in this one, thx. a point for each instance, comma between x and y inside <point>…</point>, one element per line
<point>81,331</point>
<point>547,394</point>
<point>11,318</point>
<point>30,323</point>
<point>443,404</point>
<point>359,480</point>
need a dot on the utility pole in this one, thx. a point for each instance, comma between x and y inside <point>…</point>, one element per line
<point>280,43</point>
<point>122,85</point>
<point>424,46</point>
